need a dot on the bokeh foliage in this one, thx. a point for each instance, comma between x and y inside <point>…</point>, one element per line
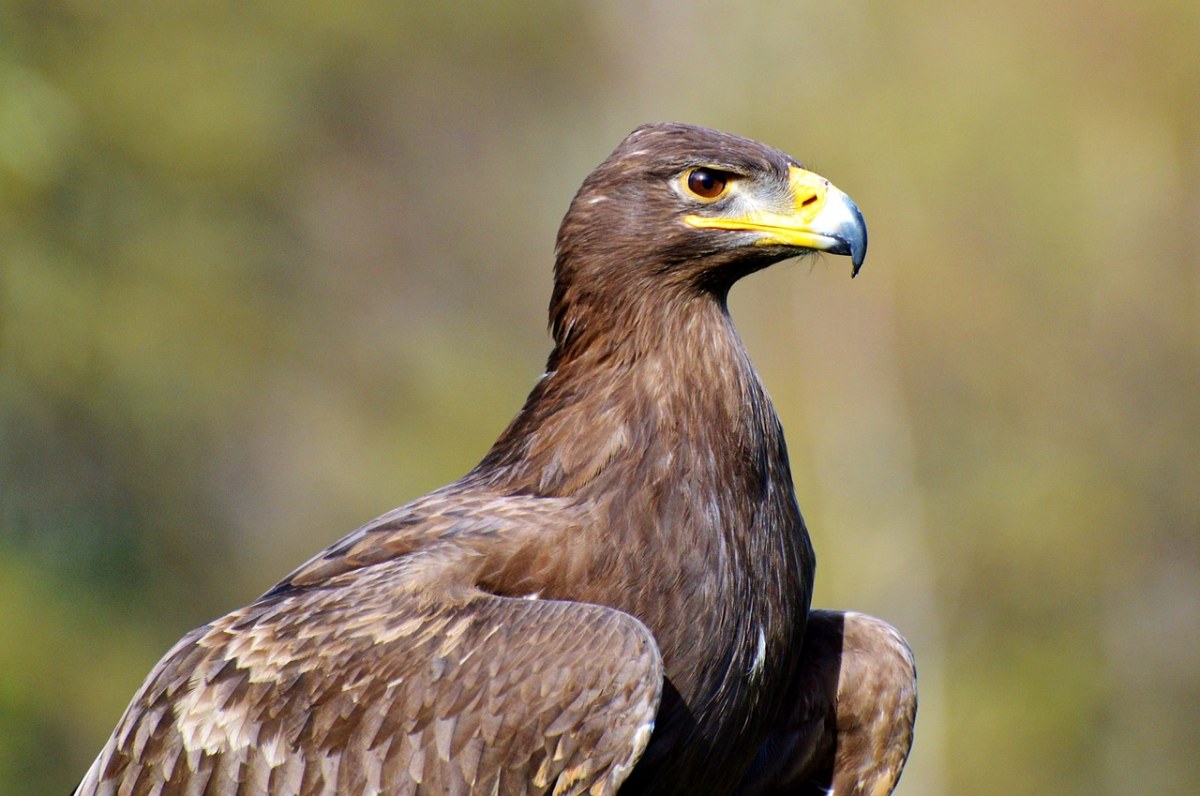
<point>268,269</point>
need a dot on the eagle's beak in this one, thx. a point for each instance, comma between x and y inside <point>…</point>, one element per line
<point>820,217</point>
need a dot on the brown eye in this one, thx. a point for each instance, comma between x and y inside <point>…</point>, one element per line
<point>706,183</point>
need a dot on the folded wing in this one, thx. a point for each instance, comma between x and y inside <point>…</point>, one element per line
<point>848,726</point>
<point>347,690</point>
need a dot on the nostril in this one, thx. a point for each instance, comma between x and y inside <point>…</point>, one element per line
<point>809,200</point>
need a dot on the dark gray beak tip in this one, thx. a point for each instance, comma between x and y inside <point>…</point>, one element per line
<point>856,240</point>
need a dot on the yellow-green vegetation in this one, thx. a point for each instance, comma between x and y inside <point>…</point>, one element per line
<point>269,269</point>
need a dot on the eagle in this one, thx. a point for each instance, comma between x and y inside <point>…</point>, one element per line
<point>617,598</point>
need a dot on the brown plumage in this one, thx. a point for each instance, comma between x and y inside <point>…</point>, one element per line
<point>615,597</point>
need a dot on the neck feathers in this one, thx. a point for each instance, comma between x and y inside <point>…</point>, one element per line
<point>632,394</point>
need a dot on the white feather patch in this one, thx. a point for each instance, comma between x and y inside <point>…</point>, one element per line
<point>760,656</point>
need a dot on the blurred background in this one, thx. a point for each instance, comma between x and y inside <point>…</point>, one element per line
<point>270,269</point>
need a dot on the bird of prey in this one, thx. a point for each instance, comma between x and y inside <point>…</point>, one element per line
<point>615,599</point>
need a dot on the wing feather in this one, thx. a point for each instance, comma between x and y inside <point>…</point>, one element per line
<point>362,689</point>
<point>849,722</point>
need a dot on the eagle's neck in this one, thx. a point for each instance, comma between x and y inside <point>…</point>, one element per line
<point>634,390</point>
<point>658,429</point>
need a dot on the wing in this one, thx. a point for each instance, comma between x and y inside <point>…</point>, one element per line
<point>849,725</point>
<point>364,686</point>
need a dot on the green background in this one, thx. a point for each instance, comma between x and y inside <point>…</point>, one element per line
<point>270,269</point>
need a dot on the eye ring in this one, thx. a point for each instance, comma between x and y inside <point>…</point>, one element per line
<point>705,184</point>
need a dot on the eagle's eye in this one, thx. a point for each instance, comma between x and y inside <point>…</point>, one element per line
<point>706,184</point>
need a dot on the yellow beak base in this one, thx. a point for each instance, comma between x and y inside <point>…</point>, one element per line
<point>821,218</point>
